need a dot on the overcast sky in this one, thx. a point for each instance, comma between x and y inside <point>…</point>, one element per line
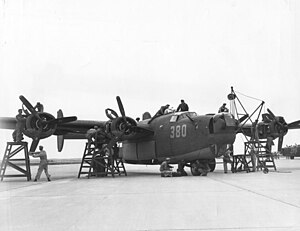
<point>78,55</point>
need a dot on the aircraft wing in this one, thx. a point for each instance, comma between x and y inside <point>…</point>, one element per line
<point>245,129</point>
<point>8,123</point>
<point>78,127</point>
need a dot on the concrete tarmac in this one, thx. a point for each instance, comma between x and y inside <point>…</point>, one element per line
<point>145,201</point>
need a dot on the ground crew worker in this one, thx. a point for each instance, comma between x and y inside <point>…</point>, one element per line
<point>269,144</point>
<point>101,137</point>
<point>43,163</point>
<point>254,131</point>
<point>204,167</point>
<point>166,169</point>
<point>253,155</point>
<point>227,158</point>
<point>90,135</point>
<point>223,108</point>
<point>169,110</point>
<point>160,112</point>
<point>182,106</point>
<point>180,169</point>
<point>20,126</point>
<point>39,107</point>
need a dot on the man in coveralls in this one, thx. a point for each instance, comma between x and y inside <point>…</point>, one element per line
<point>182,106</point>
<point>166,169</point>
<point>39,107</point>
<point>223,108</point>
<point>20,125</point>
<point>43,163</point>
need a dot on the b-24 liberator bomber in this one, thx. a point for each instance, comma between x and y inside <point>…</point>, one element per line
<point>184,137</point>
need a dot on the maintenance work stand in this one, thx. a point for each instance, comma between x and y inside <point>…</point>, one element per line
<point>100,162</point>
<point>11,151</point>
<point>256,157</point>
<point>257,154</point>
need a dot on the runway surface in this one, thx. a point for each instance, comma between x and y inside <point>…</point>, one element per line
<point>145,201</point>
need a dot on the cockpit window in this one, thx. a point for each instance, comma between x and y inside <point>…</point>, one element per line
<point>192,114</point>
<point>182,116</point>
<point>179,116</point>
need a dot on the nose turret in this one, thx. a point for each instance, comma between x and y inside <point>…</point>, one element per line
<point>224,122</point>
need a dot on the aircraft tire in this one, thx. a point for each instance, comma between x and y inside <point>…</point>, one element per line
<point>195,169</point>
<point>212,165</point>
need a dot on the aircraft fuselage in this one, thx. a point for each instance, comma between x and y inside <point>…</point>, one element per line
<point>181,136</point>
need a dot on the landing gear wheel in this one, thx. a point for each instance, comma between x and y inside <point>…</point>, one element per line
<point>212,165</point>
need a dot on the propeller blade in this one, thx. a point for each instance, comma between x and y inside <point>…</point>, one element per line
<point>280,142</point>
<point>121,108</point>
<point>60,142</point>
<point>34,144</point>
<point>62,120</point>
<point>29,106</point>
<point>294,125</point>
<point>276,118</point>
<point>271,114</point>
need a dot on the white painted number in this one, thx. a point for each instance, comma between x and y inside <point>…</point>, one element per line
<point>183,130</point>
<point>172,135</point>
<point>178,131</point>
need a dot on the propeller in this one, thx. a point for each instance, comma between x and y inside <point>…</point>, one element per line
<point>41,124</point>
<point>120,125</point>
<point>282,127</point>
<point>129,125</point>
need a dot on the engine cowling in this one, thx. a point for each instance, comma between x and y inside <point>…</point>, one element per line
<point>40,128</point>
<point>121,126</point>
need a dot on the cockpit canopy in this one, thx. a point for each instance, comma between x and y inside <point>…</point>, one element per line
<point>181,115</point>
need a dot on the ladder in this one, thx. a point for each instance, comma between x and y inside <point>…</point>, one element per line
<point>100,162</point>
<point>12,149</point>
<point>264,157</point>
<point>87,158</point>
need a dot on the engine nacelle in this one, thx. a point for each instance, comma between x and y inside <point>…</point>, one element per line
<point>120,126</point>
<point>40,128</point>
